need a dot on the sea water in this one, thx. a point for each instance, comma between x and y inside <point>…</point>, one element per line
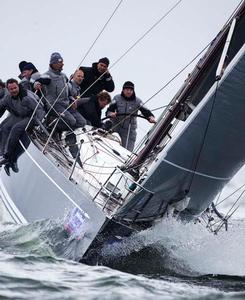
<point>170,261</point>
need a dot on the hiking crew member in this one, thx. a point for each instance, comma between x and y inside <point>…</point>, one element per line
<point>20,103</point>
<point>57,94</point>
<point>74,84</point>
<point>91,108</point>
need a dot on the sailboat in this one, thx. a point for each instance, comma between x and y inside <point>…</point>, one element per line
<point>185,160</point>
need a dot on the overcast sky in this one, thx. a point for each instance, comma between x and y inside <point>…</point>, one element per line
<point>32,30</point>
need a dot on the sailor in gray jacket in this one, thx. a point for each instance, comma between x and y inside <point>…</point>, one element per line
<point>74,94</point>
<point>56,94</point>
<point>123,111</point>
<point>75,82</point>
<point>20,104</point>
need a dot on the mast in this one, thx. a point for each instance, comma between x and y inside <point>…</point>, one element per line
<point>202,67</point>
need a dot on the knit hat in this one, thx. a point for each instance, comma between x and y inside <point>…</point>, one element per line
<point>22,64</point>
<point>29,66</point>
<point>105,61</point>
<point>55,58</point>
<point>128,85</point>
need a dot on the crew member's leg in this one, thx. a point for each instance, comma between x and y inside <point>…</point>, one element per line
<point>80,120</point>
<point>67,120</point>
<point>16,133</point>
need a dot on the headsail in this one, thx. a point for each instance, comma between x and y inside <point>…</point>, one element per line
<point>210,148</point>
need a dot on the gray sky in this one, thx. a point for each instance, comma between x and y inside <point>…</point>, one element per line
<point>32,30</point>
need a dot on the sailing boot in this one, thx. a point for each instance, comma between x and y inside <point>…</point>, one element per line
<point>14,167</point>
<point>7,169</point>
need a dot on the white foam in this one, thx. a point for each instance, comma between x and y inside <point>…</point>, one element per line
<point>191,247</point>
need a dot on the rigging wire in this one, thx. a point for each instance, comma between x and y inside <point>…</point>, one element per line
<point>234,12</point>
<point>147,32</point>
<point>218,203</point>
<point>124,54</point>
<point>154,25</point>
<point>177,74</point>
<point>105,25</point>
<point>102,30</point>
<point>165,85</point>
<point>227,214</point>
<point>135,43</point>
<point>224,220</point>
<point>173,78</point>
<point>161,89</point>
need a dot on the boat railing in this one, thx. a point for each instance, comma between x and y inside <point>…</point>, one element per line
<point>116,191</point>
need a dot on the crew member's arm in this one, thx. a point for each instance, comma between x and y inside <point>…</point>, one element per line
<point>109,84</point>
<point>112,110</point>
<point>43,80</point>
<point>147,114</point>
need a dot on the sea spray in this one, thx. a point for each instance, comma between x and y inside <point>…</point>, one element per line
<point>188,249</point>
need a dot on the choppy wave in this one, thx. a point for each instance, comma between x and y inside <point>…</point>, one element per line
<point>169,261</point>
<point>46,237</point>
<point>35,277</point>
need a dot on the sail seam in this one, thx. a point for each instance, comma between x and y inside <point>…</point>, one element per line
<point>195,172</point>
